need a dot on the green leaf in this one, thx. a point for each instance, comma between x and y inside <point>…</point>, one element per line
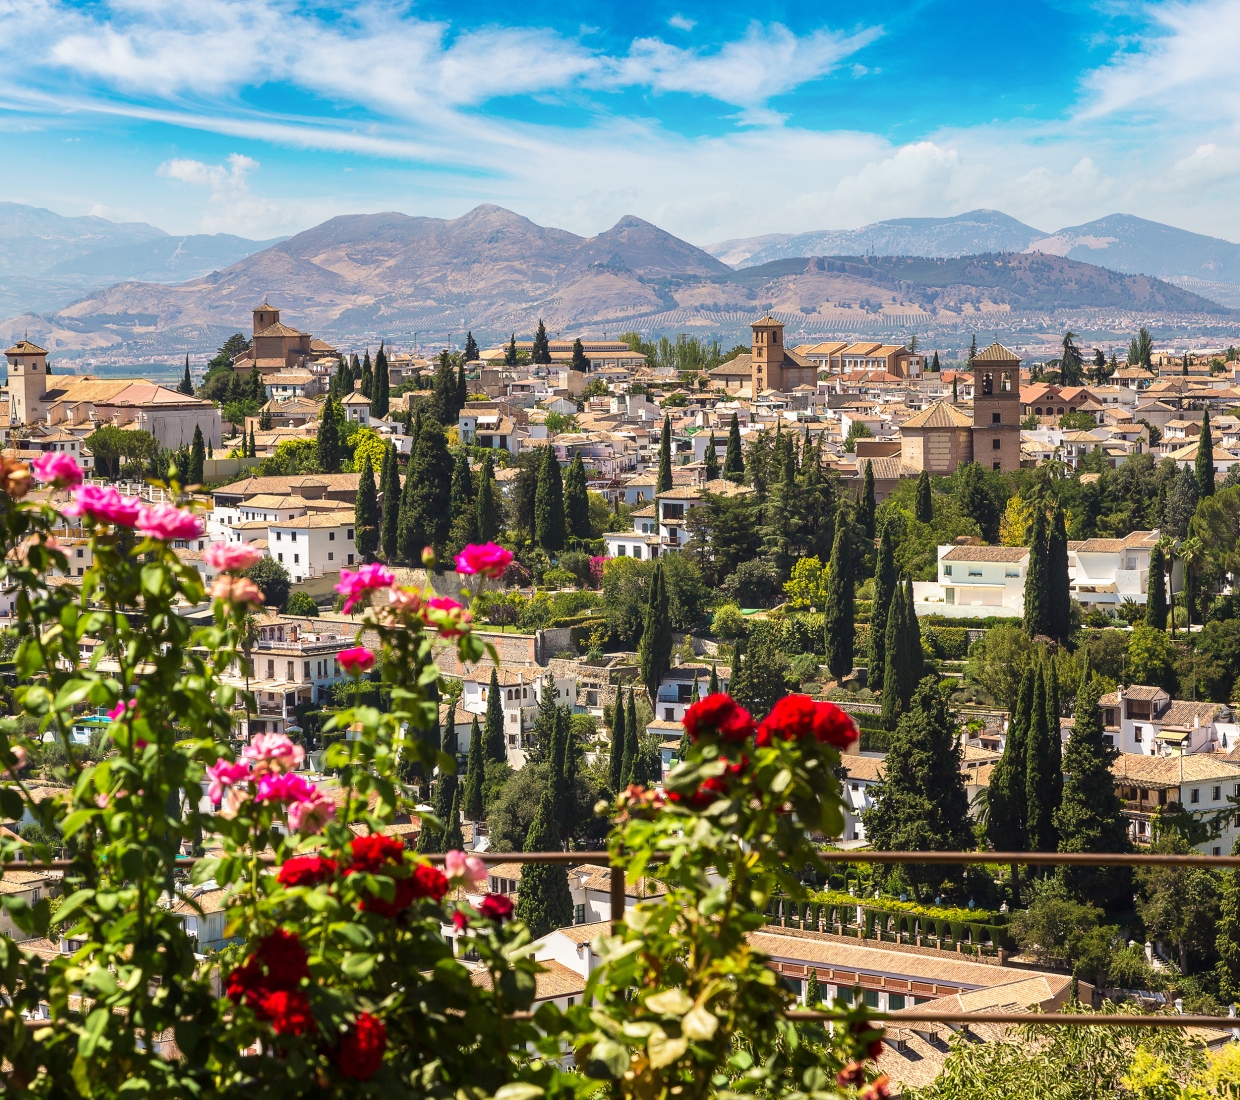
<point>71,903</point>
<point>102,980</point>
<point>96,1025</point>
<point>204,870</point>
<point>780,783</point>
<point>699,1024</point>
<point>519,1090</point>
<point>671,1002</point>
<point>357,965</point>
<point>663,1049</point>
<point>607,1059</point>
<point>76,821</point>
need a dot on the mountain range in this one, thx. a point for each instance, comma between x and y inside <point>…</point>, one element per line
<point>360,278</point>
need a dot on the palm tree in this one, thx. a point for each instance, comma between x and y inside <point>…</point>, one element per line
<point>1191,552</point>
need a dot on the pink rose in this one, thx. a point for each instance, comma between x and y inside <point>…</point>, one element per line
<point>167,521</point>
<point>446,615</point>
<point>488,560</point>
<point>118,711</point>
<point>59,468</point>
<point>310,814</point>
<point>284,787</point>
<point>104,505</point>
<point>232,557</point>
<point>238,590</point>
<point>357,660</point>
<point>274,749</point>
<point>354,585</point>
<point>469,869</point>
<point>223,775</point>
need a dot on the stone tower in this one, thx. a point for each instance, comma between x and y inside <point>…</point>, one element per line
<point>264,317</point>
<point>773,366</point>
<point>996,408</point>
<point>27,382</point>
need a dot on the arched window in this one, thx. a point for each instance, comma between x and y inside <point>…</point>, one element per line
<point>988,385</point>
<point>1038,411</point>
<point>1007,382</point>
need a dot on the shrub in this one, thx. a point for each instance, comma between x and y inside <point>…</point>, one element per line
<point>302,603</point>
<point>728,622</point>
<point>754,584</point>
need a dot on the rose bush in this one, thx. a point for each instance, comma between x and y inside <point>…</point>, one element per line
<point>339,979</point>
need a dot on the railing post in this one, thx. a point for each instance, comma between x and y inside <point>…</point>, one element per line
<point>617,895</point>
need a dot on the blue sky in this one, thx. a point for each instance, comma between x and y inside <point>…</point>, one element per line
<point>263,117</point>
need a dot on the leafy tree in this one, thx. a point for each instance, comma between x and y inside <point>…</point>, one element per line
<point>390,483</point>
<point>1037,580</point>
<point>380,387</point>
<point>486,522</point>
<point>1043,769</point>
<point>1181,503</point>
<point>197,457</point>
<point>723,535</point>
<point>807,587</point>
<point>924,510</point>
<point>838,613</point>
<point>733,461</point>
<point>1070,363</point>
<point>885,586</point>
<point>302,603</point>
<point>977,500</point>
<point>580,362</point>
<point>654,654</point>
<point>618,735</point>
<point>1180,906</point>
<point>327,440</point>
<point>1156,597</point>
<point>471,348</point>
<point>273,581</point>
<point>366,512</point>
<point>577,500</point>
<point>1151,658</point>
<point>1227,942</point>
<point>1090,816</point>
<point>494,744</point>
<point>544,901</point>
<point>427,519</point>
<point>921,805</point>
<point>549,504</point>
<point>665,457</point>
<point>1203,467</point>
<point>109,444</point>
<point>711,458</point>
<point>758,681</point>
<point>461,503</point>
<point>475,771</point>
<point>541,351</point>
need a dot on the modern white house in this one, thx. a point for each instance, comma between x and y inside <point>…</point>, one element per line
<point>665,530</point>
<point>521,692</point>
<point>313,544</point>
<point>1146,721</point>
<point>1106,572</point>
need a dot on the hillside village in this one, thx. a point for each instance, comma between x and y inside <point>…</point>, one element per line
<point>1050,543</point>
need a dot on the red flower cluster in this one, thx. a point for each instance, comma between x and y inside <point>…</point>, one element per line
<point>496,907</point>
<point>878,1089</point>
<point>269,982</point>
<point>381,855</point>
<point>798,716</point>
<point>719,714</point>
<point>360,1052</point>
<point>707,794</point>
<point>306,871</point>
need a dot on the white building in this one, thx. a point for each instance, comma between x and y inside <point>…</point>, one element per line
<point>975,582</point>
<point>311,545</point>
<point>489,428</point>
<point>1146,721</point>
<point>1204,785</point>
<point>521,692</point>
<point>1105,572</point>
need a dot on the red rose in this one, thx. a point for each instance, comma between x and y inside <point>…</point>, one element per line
<point>833,726</point>
<point>720,714</point>
<point>246,982</point>
<point>288,1011</point>
<point>372,854</point>
<point>285,959</point>
<point>306,871</point>
<point>874,1049</point>
<point>460,920</point>
<point>791,718</point>
<point>360,1053</point>
<point>496,907</point>
<point>428,882</point>
<point>706,795</point>
<point>738,767</point>
<point>851,1075</point>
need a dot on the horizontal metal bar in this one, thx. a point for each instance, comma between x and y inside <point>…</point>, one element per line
<point>1045,1019</point>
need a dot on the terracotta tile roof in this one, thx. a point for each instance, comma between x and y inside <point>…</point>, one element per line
<point>1140,692</point>
<point>987,553</point>
<point>555,980</point>
<point>866,768</point>
<point>25,347</point>
<point>941,414</point>
<point>996,353</point>
<point>583,933</point>
<point>1172,771</point>
<point>279,329</point>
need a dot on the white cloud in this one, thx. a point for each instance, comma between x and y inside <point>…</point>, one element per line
<point>231,207</point>
<point>682,22</point>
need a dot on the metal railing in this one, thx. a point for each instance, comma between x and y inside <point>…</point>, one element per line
<point>894,1018</point>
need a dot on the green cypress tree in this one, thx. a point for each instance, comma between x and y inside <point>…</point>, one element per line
<point>577,501</point>
<point>197,457</point>
<point>632,748</point>
<point>733,461</point>
<point>923,509</point>
<point>1037,580</point>
<point>898,673</point>
<point>391,503</point>
<point>549,504</point>
<point>665,456</point>
<point>1005,819</point>
<point>475,773</point>
<point>462,388</point>
<point>366,512</point>
<point>430,500</point>
<point>187,384</point>
<point>921,805</point>
<point>1090,817</point>
<point>1203,467</point>
<point>1059,593</point>
<point>813,995</point>
<point>486,523</point>
<point>1156,598</point>
<point>1043,771</point>
<point>885,581</point>
<point>407,548</point>
<point>838,612</point>
<point>1227,943</point>
<point>253,443</point>
<point>934,366</point>
<point>327,440</point>
<point>630,719</point>
<point>258,391</point>
<point>912,643</point>
<point>712,687</point>
<point>541,352</point>
<point>544,901</point>
<point>461,500</point>
<point>510,353</point>
<point>368,377</point>
<point>654,651</point>
<point>865,512</point>
<point>380,387</point>
<point>471,348</point>
<point>734,669</point>
<point>711,458</point>
<point>618,736</point>
<point>580,360</point>
<point>264,420</point>
<point>494,745</point>
<point>453,838</point>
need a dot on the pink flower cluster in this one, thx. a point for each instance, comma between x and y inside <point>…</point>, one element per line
<point>357,660</point>
<point>167,522</point>
<point>238,590</point>
<point>118,711</point>
<point>104,505</point>
<point>273,751</point>
<point>596,569</point>
<point>354,585</point>
<point>487,560</point>
<point>446,616</point>
<point>231,557</point>
<point>268,763</point>
<point>57,468</point>
<point>463,870</point>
